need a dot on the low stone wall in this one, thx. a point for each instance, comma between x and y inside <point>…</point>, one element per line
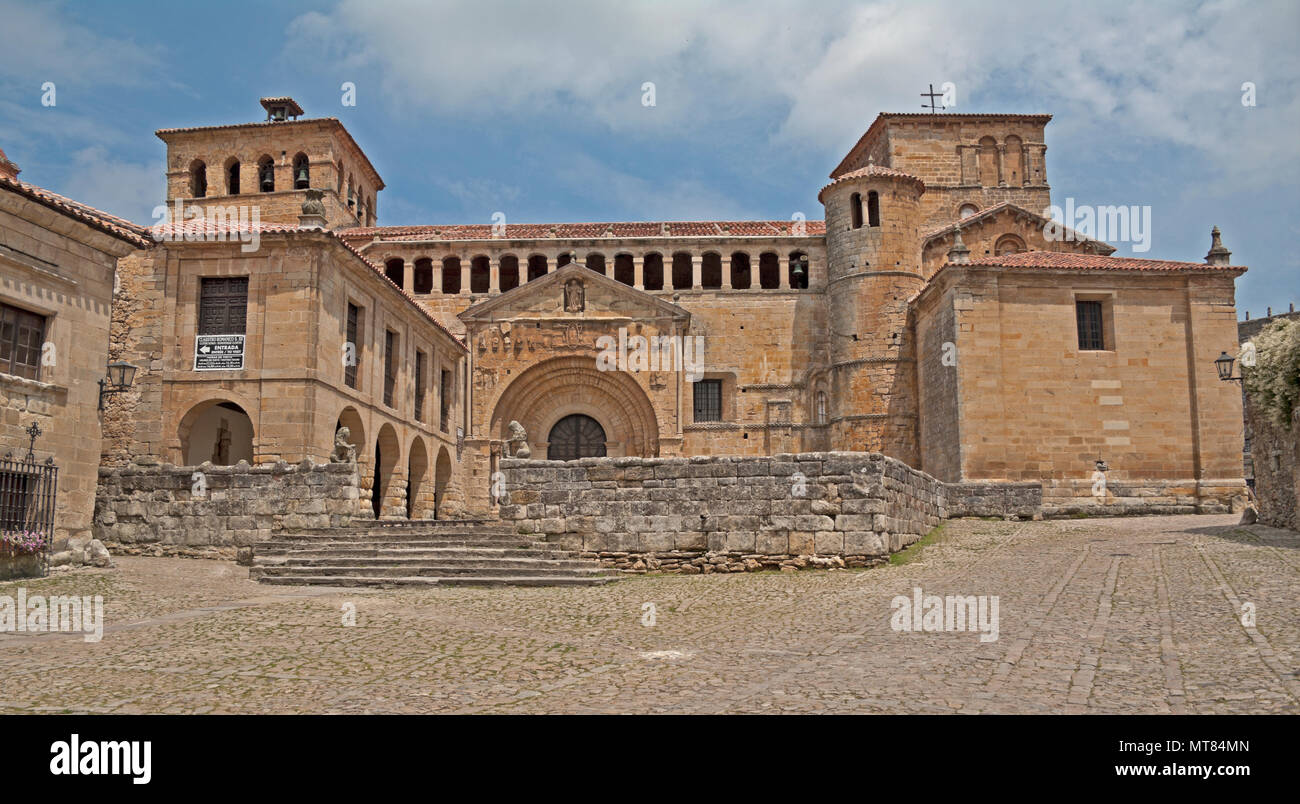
<point>721,513</point>
<point>1276,454</point>
<point>20,566</point>
<point>162,509</point>
<point>1063,498</point>
<point>1022,500</point>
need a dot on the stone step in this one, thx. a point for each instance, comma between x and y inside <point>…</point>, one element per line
<point>408,558</point>
<point>539,551</point>
<point>423,571</point>
<point>394,534</point>
<point>414,544</point>
<point>464,580</point>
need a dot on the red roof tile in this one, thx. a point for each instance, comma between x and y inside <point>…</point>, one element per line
<point>1096,262</point>
<point>118,227</point>
<point>575,231</point>
<point>872,171</point>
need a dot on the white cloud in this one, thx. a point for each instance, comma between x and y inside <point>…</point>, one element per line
<point>124,189</point>
<point>1162,71</point>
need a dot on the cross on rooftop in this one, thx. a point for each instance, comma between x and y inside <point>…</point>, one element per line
<point>932,95</point>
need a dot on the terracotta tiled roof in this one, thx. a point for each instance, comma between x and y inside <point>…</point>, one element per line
<point>871,171</point>
<point>232,232</point>
<point>1007,206</point>
<point>577,231</point>
<point>1097,262</point>
<point>117,227</point>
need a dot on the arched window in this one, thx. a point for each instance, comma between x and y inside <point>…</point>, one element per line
<point>395,269</point>
<point>352,198</point>
<point>740,270</point>
<point>652,272</point>
<point>855,210</point>
<point>536,267</point>
<point>967,210</point>
<point>873,208</point>
<point>683,270</point>
<point>480,274</point>
<point>623,269</point>
<point>711,270</point>
<point>798,267</point>
<point>988,161</point>
<point>198,179</point>
<point>509,272</point>
<point>423,278</point>
<point>563,260</point>
<point>451,275</point>
<point>1009,244</point>
<point>1012,166</point>
<point>301,172</point>
<point>769,270</point>
<point>265,175</point>
<point>596,262</point>
<point>821,407</point>
<point>232,176</point>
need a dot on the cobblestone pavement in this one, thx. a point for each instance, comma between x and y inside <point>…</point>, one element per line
<point>1096,615</point>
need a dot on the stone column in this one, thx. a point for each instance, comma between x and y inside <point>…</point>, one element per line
<point>726,272</point>
<point>638,271</point>
<point>464,276</point>
<point>494,274</point>
<point>1002,158</point>
<point>437,274</point>
<point>782,270</point>
<point>408,276</point>
<point>697,271</point>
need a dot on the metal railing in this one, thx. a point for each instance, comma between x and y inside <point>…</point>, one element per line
<point>28,491</point>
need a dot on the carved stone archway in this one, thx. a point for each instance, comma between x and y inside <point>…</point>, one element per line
<point>548,391</point>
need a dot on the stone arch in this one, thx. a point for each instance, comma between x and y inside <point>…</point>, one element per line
<point>769,270</point>
<point>417,482</point>
<point>1008,244</point>
<point>441,478</point>
<point>395,270</point>
<point>624,270</point>
<point>552,389</point>
<point>508,272</point>
<point>216,430</point>
<point>595,262</point>
<point>232,176</point>
<point>652,271</point>
<point>988,162</point>
<point>422,281</point>
<point>198,179</point>
<point>711,270</point>
<point>798,259</point>
<point>1012,167</point>
<point>301,171</point>
<point>740,278</point>
<point>966,210</point>
<point>265,174</point>
<point>387,489</point>
<point>873,208</point>
<point>351,419</point>
<point>480,274</point>
<point>683,270</point>
<point>537,267</point>
<point>855,210</point>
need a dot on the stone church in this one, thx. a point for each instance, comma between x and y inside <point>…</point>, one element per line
<point>929,316</point>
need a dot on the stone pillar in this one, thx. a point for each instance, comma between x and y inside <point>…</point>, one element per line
<point>408,276</point>
<point>437,275</point>
<point>464,276</point>
<point>494,274</point>
<point>638,271</point>
<point>1002,158</point>
<point>726,272</point>
<point>782,270</point>
<point>697,271</point>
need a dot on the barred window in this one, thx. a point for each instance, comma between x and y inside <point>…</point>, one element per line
<point>708,401</point>
<point>21,336</point>
<point>1088,314</point>
<point>223,305</point>
<point>390,365</point>
<point>354,355</point>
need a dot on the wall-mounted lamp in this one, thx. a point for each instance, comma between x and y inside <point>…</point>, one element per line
<point>120,377</point>
<point>1224,365</point>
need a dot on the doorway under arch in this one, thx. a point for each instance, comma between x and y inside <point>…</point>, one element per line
<point>387,448</point>
<point>441,476</point>
<point>218,431</point>
<point>417,467</point>
<point>575,436</point>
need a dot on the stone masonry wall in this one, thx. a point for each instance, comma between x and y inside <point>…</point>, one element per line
<point>152,508</point>
<point>1276,454</point>
<point>725,514</point>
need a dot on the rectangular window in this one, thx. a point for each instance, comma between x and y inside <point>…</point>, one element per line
<point>419,386</point>
<point>390,365</point>
<point>353,355</point>
<point>708,401</point>
<point>223,305</point>
<point>444,399</point>
<point>21,336</point>
<point>1088,314</point>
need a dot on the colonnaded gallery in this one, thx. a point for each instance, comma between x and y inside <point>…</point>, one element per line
<point>932,316</point>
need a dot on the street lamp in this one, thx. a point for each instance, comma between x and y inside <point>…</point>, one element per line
<point>1224,364</point>
<point>120,376</point>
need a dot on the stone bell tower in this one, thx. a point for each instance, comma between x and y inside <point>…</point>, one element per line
<point>873,251</point>
<point>269,165</point>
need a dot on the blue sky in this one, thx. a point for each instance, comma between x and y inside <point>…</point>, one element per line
<point>535,109</point>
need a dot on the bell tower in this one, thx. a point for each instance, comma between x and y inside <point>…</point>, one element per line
<point>873,250</point>
<point>271,164</point>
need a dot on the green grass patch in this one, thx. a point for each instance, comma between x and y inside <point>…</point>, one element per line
<point>913,551</point>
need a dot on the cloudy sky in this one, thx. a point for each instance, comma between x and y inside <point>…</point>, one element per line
<point>535,109</point>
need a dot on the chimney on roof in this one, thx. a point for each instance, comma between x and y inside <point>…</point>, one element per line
<point>8,169</point>
<point>1218,254</point>
<point>958,254</point>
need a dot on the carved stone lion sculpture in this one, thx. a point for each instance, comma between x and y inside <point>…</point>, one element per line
<point>518,441</point>
<point>344,452</point>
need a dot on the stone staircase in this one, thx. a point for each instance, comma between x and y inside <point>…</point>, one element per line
<point>421,553</point>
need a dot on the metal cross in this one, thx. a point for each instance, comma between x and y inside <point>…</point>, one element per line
<point>35,432</point>
<point>932,95</point>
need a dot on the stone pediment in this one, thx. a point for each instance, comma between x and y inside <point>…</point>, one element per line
<point>574,293</point>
